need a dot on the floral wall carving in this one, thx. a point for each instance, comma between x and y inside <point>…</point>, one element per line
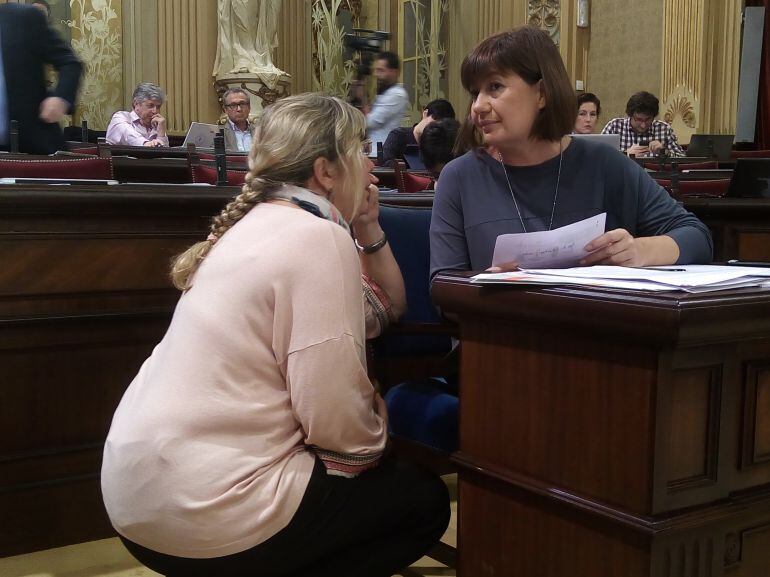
<point>430,51</point>
<point>331,73</point>
<point>546,15</point>
<point>96,38</point>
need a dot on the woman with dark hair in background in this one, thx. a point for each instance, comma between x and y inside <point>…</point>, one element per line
<point>589,109</point>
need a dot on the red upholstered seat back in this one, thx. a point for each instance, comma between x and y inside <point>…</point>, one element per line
<point>417,183</point>
<point>208,174</point>
<point>237,160</point>
<point>698,187</point>
<point>750,154</point>
<point>97,168</point>
<point>704,187</point>
<point>665,184</point>
<point>707,165</point>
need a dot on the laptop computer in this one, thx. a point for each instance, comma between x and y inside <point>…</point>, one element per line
<point>751,178</point>
<point>711,145</point>
<point>412,157</point>
<point>201,135</point>
<point>612,140</point>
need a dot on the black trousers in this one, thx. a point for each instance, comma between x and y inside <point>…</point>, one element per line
<point>369,526</point>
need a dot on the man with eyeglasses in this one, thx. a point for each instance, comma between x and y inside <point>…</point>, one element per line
<point>640,133</point>
<point>238,129</point>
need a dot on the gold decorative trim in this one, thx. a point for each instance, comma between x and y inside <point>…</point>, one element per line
<point>546,15</point>
<point>681,107</point>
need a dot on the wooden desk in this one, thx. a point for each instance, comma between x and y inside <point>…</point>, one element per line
<point>144,170</point>
<point>740,226</point>
<point>84,297</point>
<point>420,199</point>
<point>612,434</point>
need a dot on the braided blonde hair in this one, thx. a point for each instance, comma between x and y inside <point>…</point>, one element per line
<point>290,136</point>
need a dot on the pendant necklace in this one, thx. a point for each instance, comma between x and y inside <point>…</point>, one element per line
<point>513,196</point>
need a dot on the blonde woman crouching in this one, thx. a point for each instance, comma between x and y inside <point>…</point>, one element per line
<point>251,441</point>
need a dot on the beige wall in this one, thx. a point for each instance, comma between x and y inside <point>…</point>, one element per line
<point>173,43</point>
<point>625,56</point>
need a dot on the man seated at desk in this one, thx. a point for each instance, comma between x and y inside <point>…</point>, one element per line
<point>144,125</point>
<point>640,133</point>
<point>238,128</point>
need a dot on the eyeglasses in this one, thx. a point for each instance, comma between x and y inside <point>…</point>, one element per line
<point>642,119</point>
<point>234,105</point>
<point>366,146</point>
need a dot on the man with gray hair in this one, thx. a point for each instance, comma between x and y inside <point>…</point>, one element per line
<point>143,126</point>
<point>238,130</point>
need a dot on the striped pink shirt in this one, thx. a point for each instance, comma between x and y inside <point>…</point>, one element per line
<point>126,128</point>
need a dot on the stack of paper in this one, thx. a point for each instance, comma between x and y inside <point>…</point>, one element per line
<point>690,278</point>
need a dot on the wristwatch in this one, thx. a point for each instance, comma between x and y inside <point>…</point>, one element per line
<point>374,247</point>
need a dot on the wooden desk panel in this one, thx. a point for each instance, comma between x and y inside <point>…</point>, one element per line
<point>740,226</point>
<point>606,433</point>
<point>84,297</point>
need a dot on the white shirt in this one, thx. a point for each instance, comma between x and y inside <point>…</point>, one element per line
<point>242,137</point>
<point>387,112</point>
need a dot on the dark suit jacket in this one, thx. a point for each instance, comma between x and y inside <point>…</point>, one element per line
<point>27,43</point>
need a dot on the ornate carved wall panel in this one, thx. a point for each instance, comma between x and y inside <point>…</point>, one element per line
<point>700,65</point>
<point>683,26</point>
<point>546,15</point>
<point>97,39</point>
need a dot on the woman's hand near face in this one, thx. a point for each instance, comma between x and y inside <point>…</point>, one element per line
<point>619,247</point>
<point>366,225</point>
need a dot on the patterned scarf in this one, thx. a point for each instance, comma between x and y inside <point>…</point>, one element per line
<point>311,202</point>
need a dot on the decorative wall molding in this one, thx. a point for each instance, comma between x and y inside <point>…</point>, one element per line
<point>97,40</point>
<point>701,39</point>
<point>426,56</point>
<point>546,15</point>
<point>332,74</point>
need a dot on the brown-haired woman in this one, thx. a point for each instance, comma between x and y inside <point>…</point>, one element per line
<point>526,174</point>
<point>251,441</point>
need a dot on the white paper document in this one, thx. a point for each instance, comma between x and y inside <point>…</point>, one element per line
<point>690,278</point>
<point>558,248</point>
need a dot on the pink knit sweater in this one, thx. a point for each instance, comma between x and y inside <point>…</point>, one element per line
<point>262,367</point>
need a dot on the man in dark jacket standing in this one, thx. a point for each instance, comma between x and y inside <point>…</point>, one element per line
<point>27,43</point>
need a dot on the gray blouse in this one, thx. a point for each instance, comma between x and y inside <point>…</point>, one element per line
<point>473,204</point>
